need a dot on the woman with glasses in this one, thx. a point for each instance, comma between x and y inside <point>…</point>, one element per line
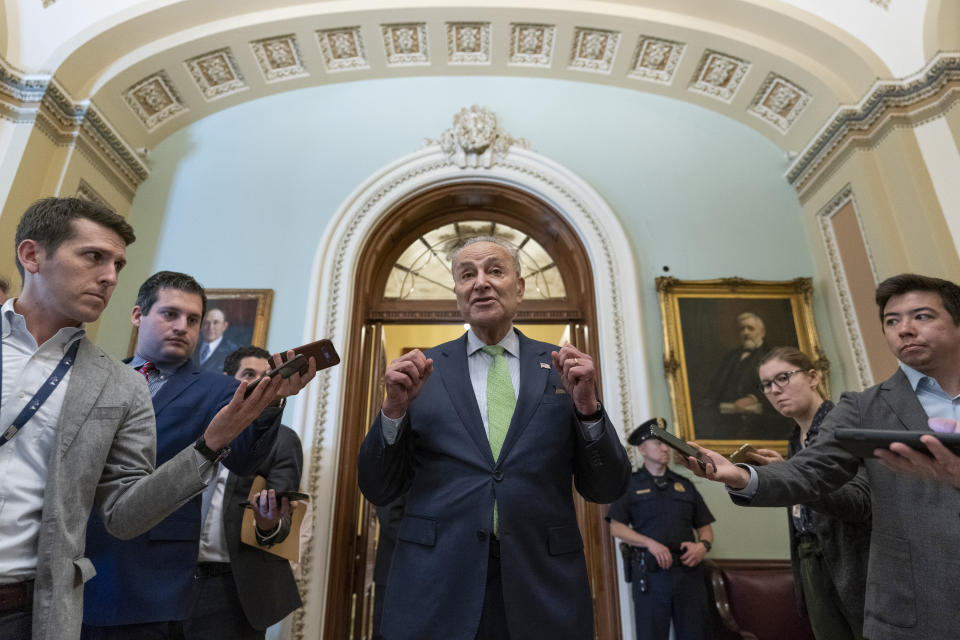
<point>830,538</point>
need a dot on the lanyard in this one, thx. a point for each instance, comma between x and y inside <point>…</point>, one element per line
<point>48,387</point>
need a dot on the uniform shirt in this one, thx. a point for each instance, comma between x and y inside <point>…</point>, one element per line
<point>666,508</point>
<point>23,460</point>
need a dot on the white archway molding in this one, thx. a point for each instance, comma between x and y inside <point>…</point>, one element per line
<point>625,388</point>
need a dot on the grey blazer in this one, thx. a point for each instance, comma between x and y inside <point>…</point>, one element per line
<point>912,584</point>
<point>104,460</point>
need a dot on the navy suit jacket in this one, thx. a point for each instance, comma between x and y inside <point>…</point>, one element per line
<point>149,578</point>
<point>214,364</point>
<point>442,461</point>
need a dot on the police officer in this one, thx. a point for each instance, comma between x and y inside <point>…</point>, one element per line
<point>657,518</point>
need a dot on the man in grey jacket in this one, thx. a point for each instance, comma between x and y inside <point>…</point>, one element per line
<point>76,427</point>
<point>912,572</point>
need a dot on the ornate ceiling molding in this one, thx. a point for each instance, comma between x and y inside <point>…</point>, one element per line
<point>719,75</point>
<point>889,103</point>
<point>279,58</point>
<point>779,102</point>
<point>67,122</point>
<point>20,93</point>
<point>656,60</point>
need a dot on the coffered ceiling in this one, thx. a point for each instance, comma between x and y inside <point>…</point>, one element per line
<point>152,67</point>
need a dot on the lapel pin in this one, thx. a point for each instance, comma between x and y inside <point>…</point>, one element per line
<point>544,365</point>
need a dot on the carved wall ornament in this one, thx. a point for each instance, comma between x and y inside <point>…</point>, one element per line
<point>779,102</point>
<point>475,140</point>
<point>343,49</point>
<point>884,4</point>
<point>656,60</point>
<point>840,282</point>
<point>88,193</point>
<point>405,44</point>
<point>155,100</point>
<point>594,50</point>
<point>468,42</point>
<point>20,93</point>
<point>719,75</point>
<point>531,45</point>
<point>279,58</point>
<point>217,74</point>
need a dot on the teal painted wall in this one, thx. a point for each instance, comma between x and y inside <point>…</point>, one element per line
<point>242,198</point>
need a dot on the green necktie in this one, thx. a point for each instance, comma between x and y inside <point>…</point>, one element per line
<point>501,402</point>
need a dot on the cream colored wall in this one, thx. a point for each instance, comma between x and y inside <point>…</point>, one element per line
<point>50,169</point>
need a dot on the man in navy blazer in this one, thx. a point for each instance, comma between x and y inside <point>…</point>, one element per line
<point>213,347</point>
<point>143,585</point>
<point>459,572</point>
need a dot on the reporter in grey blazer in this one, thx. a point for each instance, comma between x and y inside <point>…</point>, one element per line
<point>912,584</point>
<point>91,444</point>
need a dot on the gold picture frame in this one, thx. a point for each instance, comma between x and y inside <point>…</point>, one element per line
<point>710,333</point>
<point>247,311</point>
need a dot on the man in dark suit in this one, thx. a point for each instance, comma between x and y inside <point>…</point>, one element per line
<point>241,590</point>
<point>913,567</point>
<point>485,451</point>
<point>213,347</point>
<point>143,585</point>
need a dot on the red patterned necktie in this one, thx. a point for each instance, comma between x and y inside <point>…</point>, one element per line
<point>146,369</point>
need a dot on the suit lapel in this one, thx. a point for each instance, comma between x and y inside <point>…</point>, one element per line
<point>903,403</point>
<point>87,379</point>
<point>185,376</point>
<point>533,380</point>
<point>452,367</point>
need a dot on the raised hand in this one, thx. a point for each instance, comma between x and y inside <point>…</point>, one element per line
<point>405,378</point>
<point>240,412</point>
<point>577,374</point>
<point>719,468</point>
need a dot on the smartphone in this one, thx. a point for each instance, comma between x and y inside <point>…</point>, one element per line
<point>297,364</point>
<point>862,442</point>
<point>322,351</point>
<point>677,444</point>
<point>740,455</point>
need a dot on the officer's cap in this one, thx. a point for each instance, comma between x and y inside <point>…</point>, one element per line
<point>642,432</point>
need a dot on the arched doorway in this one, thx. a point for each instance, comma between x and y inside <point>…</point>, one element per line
<point>382,299</point>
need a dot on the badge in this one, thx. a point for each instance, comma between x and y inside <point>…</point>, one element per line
<point>678,487</point>
<point>796,511</point>
<point>639,491</point>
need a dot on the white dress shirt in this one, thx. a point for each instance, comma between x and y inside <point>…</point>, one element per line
<point>212,347</point>
<point>24,459</point>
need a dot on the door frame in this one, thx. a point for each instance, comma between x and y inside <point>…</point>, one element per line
<point>319,414</point>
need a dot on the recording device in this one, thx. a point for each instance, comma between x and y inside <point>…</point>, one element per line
<point>322,352</point>
<point>862,442</point>
<point>740,455</point>
<point>297,364</point>
<point>677,444</point>
<point>289,495</point>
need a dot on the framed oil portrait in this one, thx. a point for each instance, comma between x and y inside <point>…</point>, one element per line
<point>235,318</point>
<point>715,333</point>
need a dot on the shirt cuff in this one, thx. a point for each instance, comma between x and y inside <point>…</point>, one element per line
<point>751,489</point>
<point>592,430</point>
<point>390,427</point>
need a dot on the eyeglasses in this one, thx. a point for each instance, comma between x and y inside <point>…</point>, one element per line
<point>781,380</point>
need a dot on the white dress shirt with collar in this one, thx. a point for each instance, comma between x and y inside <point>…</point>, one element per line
<point>23,460</point>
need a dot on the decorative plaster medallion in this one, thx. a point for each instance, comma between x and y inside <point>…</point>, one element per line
<point>719,75</point>
<point>217,74</point>
<point>779,102</point>
<point>475,139</point>
<point>279,58</point>
<point>852,326</point>
<point>594,50</point>
<point>656,60</point>
<point>468,42</point>
<point>531,45</point>
<point>405,44</point>
<point>343,49</point>
<point>155,100</point>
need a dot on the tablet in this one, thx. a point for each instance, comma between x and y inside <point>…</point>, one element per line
<point>862,442</point>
